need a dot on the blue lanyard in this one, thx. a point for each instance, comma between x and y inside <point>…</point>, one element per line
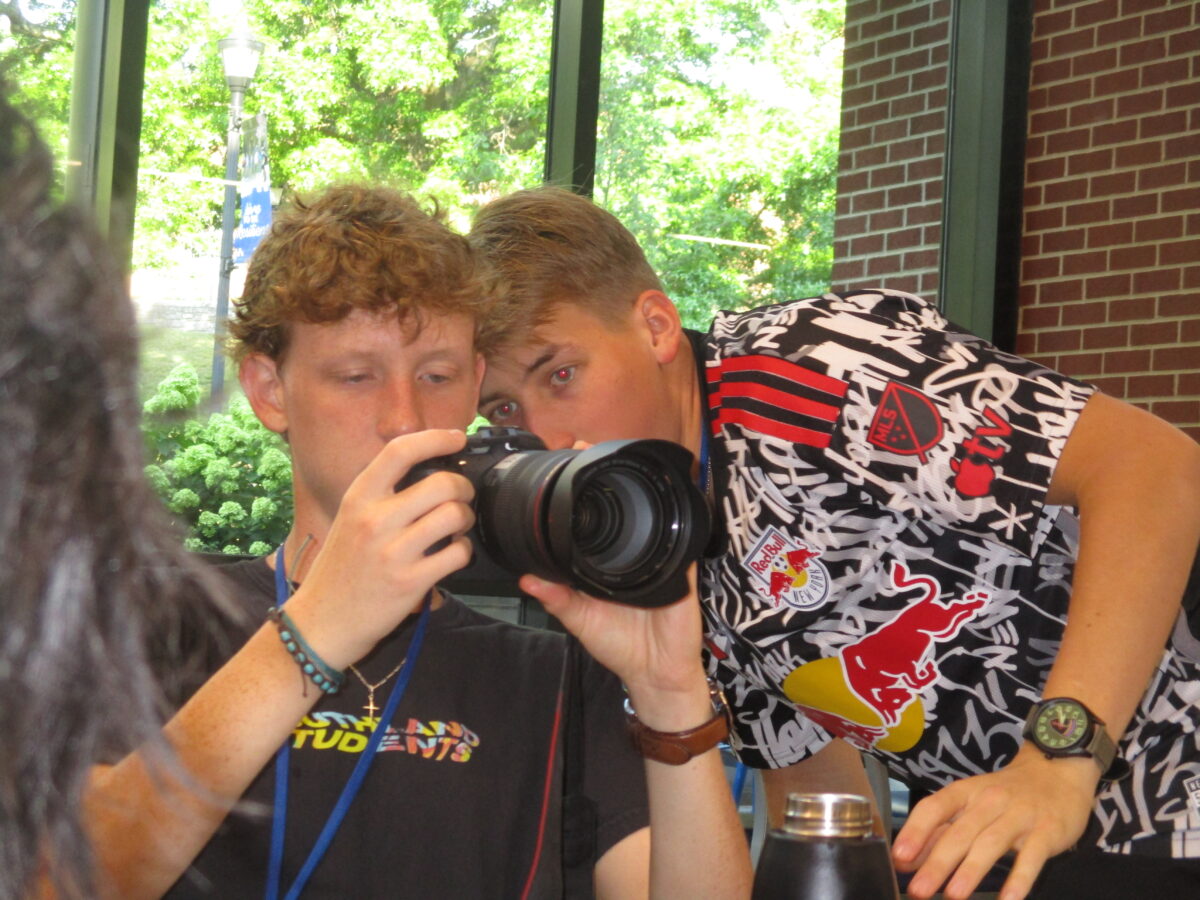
<point>703,457</point>
<point>279,819</point>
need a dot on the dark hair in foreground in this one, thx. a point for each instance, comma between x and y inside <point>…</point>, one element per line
<point>90,572</point>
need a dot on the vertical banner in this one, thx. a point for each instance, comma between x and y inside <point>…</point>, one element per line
<point>254,190</point>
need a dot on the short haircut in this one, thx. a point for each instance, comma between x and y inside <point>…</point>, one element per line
<point>550,246</point>
<point>354,247</point>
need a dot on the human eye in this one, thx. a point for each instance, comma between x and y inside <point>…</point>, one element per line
<point>562,376</point>
<point>503,412</point>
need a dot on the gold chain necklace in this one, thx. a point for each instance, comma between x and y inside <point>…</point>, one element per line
<point>371,708</point>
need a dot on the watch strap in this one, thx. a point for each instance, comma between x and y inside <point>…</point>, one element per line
<point>677,747</point>
<point>1101,747</point>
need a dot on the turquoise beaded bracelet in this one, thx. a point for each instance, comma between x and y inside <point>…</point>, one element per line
<point>324,676</point>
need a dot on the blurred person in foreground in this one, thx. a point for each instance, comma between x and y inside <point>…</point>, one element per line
<point>935,552</point>
<point>92,581</point>
<point>383,738</point>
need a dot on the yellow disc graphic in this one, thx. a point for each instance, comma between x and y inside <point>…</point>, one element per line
<point>821,685</point>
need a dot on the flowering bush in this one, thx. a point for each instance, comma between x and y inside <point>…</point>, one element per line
<point>226,479</point>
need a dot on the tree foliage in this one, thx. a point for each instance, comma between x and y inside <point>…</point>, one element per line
<point>717,145</point>
<point>719,122</point>
<point>37,45</point>
<point>226,478</point>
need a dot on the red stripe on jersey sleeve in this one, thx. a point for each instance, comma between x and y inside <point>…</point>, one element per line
<point>752,390</point>
<point>773,365</point>
<point>793,433</point>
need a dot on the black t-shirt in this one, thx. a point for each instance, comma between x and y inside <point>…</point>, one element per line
<point>453,802</point>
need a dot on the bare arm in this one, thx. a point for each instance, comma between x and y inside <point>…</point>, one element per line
<point>837,768</point>
<point>147,822</point>
<point>1136,483</point>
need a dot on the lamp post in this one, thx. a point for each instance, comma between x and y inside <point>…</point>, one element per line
<point>239,58</point>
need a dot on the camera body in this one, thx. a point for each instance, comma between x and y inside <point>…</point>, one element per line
<point>621,520</point>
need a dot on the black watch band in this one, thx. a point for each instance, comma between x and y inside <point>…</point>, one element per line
<point>1063,726</point>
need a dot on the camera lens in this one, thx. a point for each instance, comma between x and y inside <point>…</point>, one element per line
<point>512,505</point>
<point>621,520</point>
<point>625,521</point>
<point>614,520</point>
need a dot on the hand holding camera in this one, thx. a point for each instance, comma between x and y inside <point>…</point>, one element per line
<point>621,520</point>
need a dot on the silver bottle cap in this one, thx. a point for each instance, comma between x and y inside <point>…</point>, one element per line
<point>828,815</point>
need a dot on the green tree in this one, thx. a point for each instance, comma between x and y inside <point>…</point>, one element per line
<point>717,145</point>
<point>37,43</point>
<point>226,478</point>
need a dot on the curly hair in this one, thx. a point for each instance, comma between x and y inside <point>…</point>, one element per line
<point>355,247</point>
<point>550,246</point>
<point>97,595</point>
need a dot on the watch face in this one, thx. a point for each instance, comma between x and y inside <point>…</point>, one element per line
<point>1061,725</point>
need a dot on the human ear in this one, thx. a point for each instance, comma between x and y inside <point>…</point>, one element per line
<point>259,375</point>
<point>661,318</point>
<point>480,369</point>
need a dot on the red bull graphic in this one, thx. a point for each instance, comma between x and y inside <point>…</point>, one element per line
<point>888,666</point>
<point>974,473</point>
<point>788,571</point>
<point>869,694</point>
<point>864,737</point>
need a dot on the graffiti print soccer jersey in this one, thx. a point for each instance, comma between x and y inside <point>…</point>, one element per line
<point>891,574</point>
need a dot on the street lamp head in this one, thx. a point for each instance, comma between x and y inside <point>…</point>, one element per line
<point>239,57</point>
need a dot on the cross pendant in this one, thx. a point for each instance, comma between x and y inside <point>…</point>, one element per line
<point>371,708</point>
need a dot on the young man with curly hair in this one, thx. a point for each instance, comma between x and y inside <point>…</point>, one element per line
<point>429,754</point>
<point>956,560</point>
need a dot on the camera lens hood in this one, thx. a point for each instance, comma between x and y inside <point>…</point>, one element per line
<point>654,521</point>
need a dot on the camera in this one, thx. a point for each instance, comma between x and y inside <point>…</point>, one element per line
<point>621,520</point>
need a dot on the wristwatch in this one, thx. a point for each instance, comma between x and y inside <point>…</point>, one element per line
<point>1063,726</point>
<point>676,748</point>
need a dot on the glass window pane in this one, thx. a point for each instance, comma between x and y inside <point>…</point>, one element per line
<point>444,99</point>
<point>717,143</point>
<point>37,47</point>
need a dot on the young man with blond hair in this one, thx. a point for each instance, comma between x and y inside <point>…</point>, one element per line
<point>428,758</point>
<point>951,558</point>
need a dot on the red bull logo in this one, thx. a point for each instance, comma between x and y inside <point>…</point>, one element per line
<point>788,571</point>
<point>869,695</point>
<point>888,666</point>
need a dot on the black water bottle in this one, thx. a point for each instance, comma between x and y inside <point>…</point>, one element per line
<point>826,850</point>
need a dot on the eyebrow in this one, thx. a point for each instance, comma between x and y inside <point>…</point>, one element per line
<point>548,354</point>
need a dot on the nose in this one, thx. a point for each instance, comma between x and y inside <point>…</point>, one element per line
<point>400,412</point>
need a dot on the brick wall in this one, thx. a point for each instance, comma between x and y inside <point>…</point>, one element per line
<point>1110,272</point>
<point>893,140</point>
